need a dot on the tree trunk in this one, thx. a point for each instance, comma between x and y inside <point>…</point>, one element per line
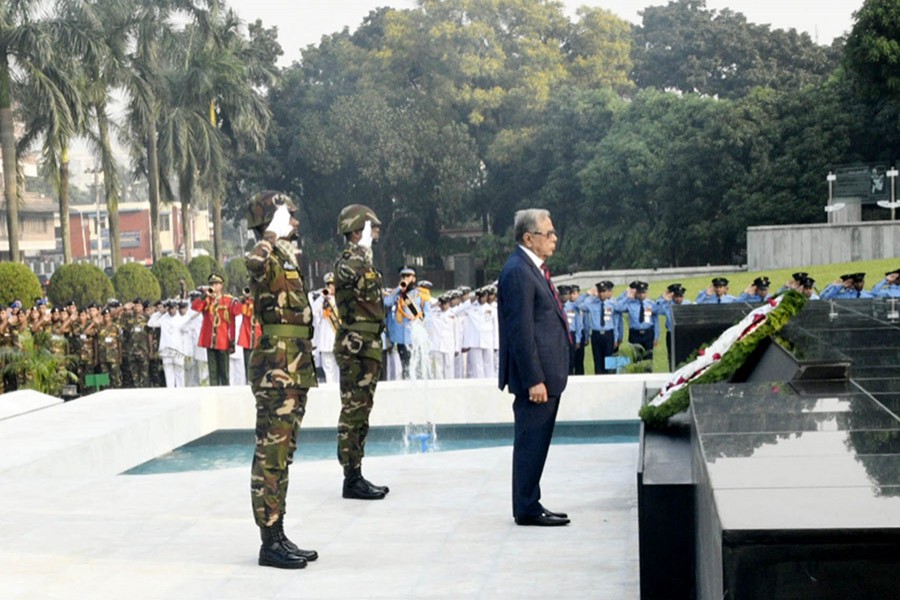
<point>110,185</point>
<point>187,242</point>
<point>8,147</point>
<point>217,228</point>
<point>153,194</point>
<point>64,222</point>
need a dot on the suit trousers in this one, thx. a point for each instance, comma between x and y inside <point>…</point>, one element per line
<point>643,337</point>
<point>533,432</point>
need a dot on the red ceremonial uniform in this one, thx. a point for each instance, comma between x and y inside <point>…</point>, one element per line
<point>217,331</point>
<point>251,330</point>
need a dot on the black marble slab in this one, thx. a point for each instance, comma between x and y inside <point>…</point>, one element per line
<point>798,491</point>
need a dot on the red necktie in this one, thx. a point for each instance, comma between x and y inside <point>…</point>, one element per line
<point>546,271</point>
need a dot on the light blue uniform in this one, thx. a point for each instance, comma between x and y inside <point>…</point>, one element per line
<point>704,298</point>
<point>610,320</point>
<point>836,291</point>
<point>883,289</point>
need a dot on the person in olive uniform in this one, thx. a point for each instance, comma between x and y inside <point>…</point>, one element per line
<point>281,369</point>
<point>357,346</point>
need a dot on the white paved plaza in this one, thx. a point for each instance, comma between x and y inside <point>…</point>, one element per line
<point>76,529</point>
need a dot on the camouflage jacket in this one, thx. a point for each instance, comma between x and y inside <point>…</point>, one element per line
<point>108,344</point>
<point>136,340</point>
<point>283,357</point>
<point>360,301</point>
<point>87,342</point>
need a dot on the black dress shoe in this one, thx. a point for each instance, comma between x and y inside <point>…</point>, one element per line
<point>542,520</point>
<point>550,513</point>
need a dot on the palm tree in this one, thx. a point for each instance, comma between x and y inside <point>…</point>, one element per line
<point>26,55</point>
<point>55,119</point>
<point>104,67</point>
<point>215,107</point>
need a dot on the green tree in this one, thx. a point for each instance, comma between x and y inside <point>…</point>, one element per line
<point>18,282</point>
<point>687,47</point>
<point>236,276</point>
<point>27,45</point>
<point>134,280</point>
<point>872,51</point>
<point>83,283</point>
<point>201,267</point>
<point>170,273</point>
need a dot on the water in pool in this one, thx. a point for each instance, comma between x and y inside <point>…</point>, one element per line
<point>234,447</point>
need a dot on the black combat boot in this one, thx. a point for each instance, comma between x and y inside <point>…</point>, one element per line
<point>274,552</point>
<point>278,530</point>
<point>381,488</point>
<point>357,487</point>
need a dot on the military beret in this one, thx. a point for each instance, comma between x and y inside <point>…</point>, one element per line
<point>16,304</point>
<point>719,281</point>
<point>137,301</point>
<point>70,303</point>
<point>762,282</point>
<point>145,304</point>
<point>105,311</point>
<point>215,278</point>
<point>605,286</point>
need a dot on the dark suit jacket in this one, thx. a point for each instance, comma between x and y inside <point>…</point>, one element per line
<point>534,339</point>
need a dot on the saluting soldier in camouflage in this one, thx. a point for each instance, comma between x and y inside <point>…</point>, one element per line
<point>137,344</point>
<point>281,370</point>
<point>86,329</point>
<point>109,351</point>
<point>357,347</point>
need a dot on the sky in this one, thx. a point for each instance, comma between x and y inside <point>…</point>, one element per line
<point>303,22</point>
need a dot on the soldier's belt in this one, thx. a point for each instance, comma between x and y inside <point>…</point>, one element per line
<point>363,327</point>
<point>281,330</point>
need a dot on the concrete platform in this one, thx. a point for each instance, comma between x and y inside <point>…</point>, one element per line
<point>72,527</point>
<point>444,531</point>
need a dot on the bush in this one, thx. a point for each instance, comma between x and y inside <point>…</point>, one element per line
<point>237,275</point>
<point>18,282</point>
<point>168,272</point>
<point>201,267</point>
<point>82,282</point>
<point>134,280</point>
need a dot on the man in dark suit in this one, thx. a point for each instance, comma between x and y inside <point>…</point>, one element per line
<point>534,359</point>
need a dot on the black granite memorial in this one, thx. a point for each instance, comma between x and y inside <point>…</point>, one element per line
<point>796,464</point>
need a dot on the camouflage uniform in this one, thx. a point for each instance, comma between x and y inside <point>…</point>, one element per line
<point>109,353</point>
<point>87,354</point>
<point>357,348</point>
<point>137,349</point>
<point>281,371</point>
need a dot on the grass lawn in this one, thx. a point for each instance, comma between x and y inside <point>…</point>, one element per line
<point>823,274</point>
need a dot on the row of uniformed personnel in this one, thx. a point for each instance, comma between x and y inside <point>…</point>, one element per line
<point>596,318</point>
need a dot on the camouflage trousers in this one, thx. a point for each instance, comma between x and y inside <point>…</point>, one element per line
<point>279,413</point>
<point>115,374</point>
<point>140,370</point>
<point>359,377</point>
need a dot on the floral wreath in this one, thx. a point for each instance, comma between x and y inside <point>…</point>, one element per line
<point>724,357</point>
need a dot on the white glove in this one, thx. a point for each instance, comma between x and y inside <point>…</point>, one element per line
<point>281,222</point>
<point>366,239</point>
